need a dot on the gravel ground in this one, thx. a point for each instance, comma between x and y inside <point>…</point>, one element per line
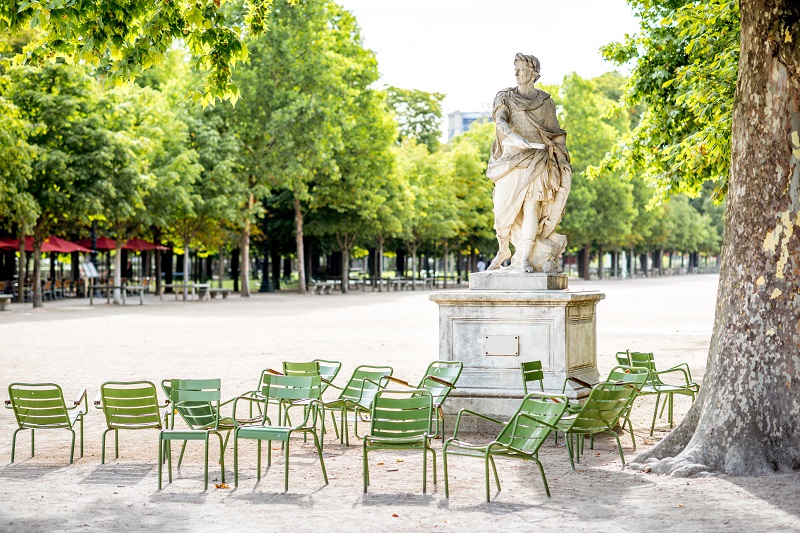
<point>77,346</point>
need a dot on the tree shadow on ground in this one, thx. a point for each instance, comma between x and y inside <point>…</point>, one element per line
<point>118,474</point>
<point>780,490</point>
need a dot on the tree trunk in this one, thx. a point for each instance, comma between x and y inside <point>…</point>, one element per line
<point>379,258</point>
<point>746,420</point>
<point>586,255</point>
<point>245,265</point>
<point>118,271</point>
<point>235,269</point>
<point>22,268</point>
<point>221,266</point>
<point>37,268</point>
<point>185,267</point>
<point>275,257</point>
<point>600,258</point>
<point>298,236</point>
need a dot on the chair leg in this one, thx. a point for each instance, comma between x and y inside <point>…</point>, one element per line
<point>424,469</point>
<point>486,460</point>
<point>222,456</point>
<point>494,469</point>
<point>82,438</point>
<point>33,435</point>
<point>619,447</point>
<point>206,466</point>
<point>335,427</point>
<point>630,429</point>
<point>365,465</point>
<point>446,480</point>
<point>655,413</point>
<point>160,459</point>
<point>258,462</point>
<point>14,443</point>
<point>433,453</point>
<point>236,459</point>
<point>669,411</point>
<point>103,453</point>
<point>180,458</point>
<point>72,446</point>
<point>568,440</point>
<point>286,468</point>
<point>116,443</point>
<point>169,459</point>
<point>544,478</point>
<point>318,444</point>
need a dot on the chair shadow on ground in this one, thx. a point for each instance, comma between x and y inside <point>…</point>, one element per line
<point>403,498</point>
<point>303,501</point>
<point>118,474</point>
<point>29,470</point>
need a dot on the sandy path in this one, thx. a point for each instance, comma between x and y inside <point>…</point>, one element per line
<point>78,346</point>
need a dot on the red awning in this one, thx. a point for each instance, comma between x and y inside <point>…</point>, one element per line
<point>140,245</point>
<point>50,244</point>
<point>103,243</point>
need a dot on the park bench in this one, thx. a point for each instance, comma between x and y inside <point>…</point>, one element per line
<point>222,292</point>
<point>108,290</point>
<point>177,290</point>
<point>324,287</point>
<point>5,299</point>
<point>202,290</point>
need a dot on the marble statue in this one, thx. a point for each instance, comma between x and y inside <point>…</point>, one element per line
<point>530,168</point>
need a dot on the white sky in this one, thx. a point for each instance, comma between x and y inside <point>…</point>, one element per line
<point>465,48</point>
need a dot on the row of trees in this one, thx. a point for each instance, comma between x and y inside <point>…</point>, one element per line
<point>309,150</point>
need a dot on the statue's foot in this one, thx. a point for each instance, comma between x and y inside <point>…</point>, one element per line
<point>499,259</point>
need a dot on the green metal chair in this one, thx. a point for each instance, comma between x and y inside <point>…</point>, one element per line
<point>401,420</point>
<point>198,403</point>
<point>606,403</point>
<point>532,373</point>
<point>628,375</point>
<point>129,405</point>
<point>521,437</point>
<point>42,406</point>
<point>682,384</point>
<point>357,397</point>
<point>200,415</point>
<point>439,380</point>
<point>328,370</point>
<point>281,389</point>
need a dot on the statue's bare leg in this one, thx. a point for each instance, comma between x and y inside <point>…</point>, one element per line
<point>503,252</point>
<point>530,225</point>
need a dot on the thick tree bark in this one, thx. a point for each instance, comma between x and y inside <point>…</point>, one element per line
<point>22,274</point>
<point>221,266</point>
<point>186,242</point>
<point>586,255</point>
<point>298,235</point>
<point>747,417</point>
<point>38,239</point>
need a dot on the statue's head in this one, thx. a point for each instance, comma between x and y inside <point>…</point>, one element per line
<point>526,68</point>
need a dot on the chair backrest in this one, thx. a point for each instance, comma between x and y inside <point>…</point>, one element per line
<point>532,371</point>
<point>605,404</point>
<point>38,405</point>
<point>309,368</point>
<point>628,374</point>
<point>196,400</point>
<point>623,359</point>
<point>359,389</point>
<point>448,371</point>
<point>292,387</point>
<point>130,404</point>
<point>400,414</point>
<point>528,428</point>
<point>647,361</point>
<point>328,371</point>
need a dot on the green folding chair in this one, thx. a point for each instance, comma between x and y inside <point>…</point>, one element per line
<point>356,397</point>
<point>401,420</point>
<point>198,403</point>
<point>520,438</point>
<point>129,405</point>
<point>439,380</point>
<point>42,406</point>
<point>531,373</point>
<point>606,403</point>
<point>200,415</point>
<point>281,389</point>
<point>681,382</point>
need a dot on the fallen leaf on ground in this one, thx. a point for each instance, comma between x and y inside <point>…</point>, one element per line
<point>399,460</point>
<point>222,485</point>
<point>394,515</point>
<point>391,470</point>
<point>381,463</point>
<point>680,505</point>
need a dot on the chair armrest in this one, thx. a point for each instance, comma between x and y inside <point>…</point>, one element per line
<point>396,380</point>
<point>673,370</point>
<point>274,372</point>
<point>7,403</point>
<point>580,382</point>
<point>79,399</point>
<point>97,400</point>
<point>684,366</point>
<point>248,399</point>
<point>440,381</point>
<point>462,411</point>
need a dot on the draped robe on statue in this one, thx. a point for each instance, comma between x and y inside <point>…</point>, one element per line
<point>535,173</point>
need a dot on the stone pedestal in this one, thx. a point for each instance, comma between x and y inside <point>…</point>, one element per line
<point>493,331</point>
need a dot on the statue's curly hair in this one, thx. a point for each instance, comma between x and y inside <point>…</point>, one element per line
<point>529,61</point>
